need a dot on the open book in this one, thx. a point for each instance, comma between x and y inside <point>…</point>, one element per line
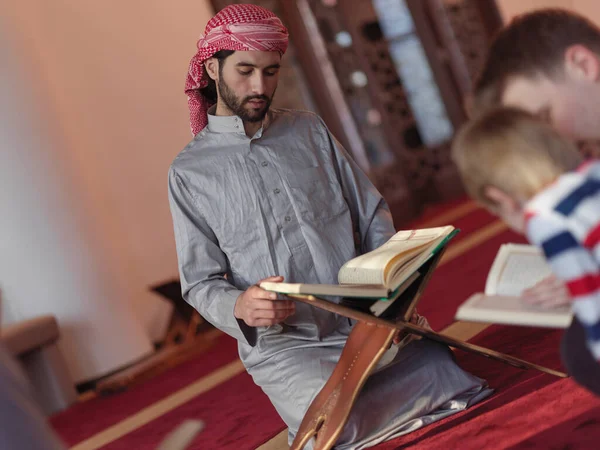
<point>515,268</point>
<point>380,272</point>
<point>379,307</point>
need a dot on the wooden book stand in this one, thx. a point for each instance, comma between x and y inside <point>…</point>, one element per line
<point>368,341</point>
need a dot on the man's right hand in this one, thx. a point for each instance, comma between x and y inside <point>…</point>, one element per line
<point>260,308</point>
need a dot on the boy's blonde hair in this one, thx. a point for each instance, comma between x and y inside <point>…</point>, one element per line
<point>513,151</point>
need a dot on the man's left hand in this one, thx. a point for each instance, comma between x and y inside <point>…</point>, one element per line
<point>401,334</point>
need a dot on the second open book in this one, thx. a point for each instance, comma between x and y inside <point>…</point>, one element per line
<point>380,273</point>
<point>515,268</point>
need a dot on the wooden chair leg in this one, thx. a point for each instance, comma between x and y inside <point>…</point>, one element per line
<point>330,409</point>
<point>192,329</point>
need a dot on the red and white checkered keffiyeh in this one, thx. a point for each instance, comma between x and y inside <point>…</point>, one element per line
<point>236,27</point>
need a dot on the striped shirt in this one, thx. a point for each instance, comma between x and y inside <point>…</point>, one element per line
<point>564,220</point>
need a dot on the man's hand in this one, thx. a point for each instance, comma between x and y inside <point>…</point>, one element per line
<point>414,319</point>
<point>548,293</point>
<point>260,308</point>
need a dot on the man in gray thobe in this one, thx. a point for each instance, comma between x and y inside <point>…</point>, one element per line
<point>262,193</point>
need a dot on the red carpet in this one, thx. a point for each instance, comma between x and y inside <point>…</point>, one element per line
<point>229,410</point>
<point>454,282</point>
<point>237,416</point>
<point>433,211</point>
<point>528,410</point>
<point>88,418</point>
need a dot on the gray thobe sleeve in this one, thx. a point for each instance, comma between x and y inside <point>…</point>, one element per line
<point>371,215</point>
<point>203,265</point>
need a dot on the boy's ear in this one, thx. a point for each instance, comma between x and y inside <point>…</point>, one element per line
<point>501,198</point>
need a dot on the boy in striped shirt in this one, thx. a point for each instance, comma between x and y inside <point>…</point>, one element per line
<point>535,180</point>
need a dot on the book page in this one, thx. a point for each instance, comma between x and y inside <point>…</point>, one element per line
<point>380,306</point>
<point>370,268</point>
<point>395,274</point>
<point>425,234</point>
<point>516,268</point>
<point>375,262</point>
<point>355,290</point>
<point>394,270</point>
<point>360,275</point>
<point>512,310</point>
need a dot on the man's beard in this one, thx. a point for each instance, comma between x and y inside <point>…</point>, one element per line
<point>242,108</point>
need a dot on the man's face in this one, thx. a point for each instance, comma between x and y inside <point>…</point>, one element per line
<point>570,101</point>
<point>247,82</point>
<point>572,108</point>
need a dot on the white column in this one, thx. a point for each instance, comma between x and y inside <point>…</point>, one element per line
<point>49,260</point>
